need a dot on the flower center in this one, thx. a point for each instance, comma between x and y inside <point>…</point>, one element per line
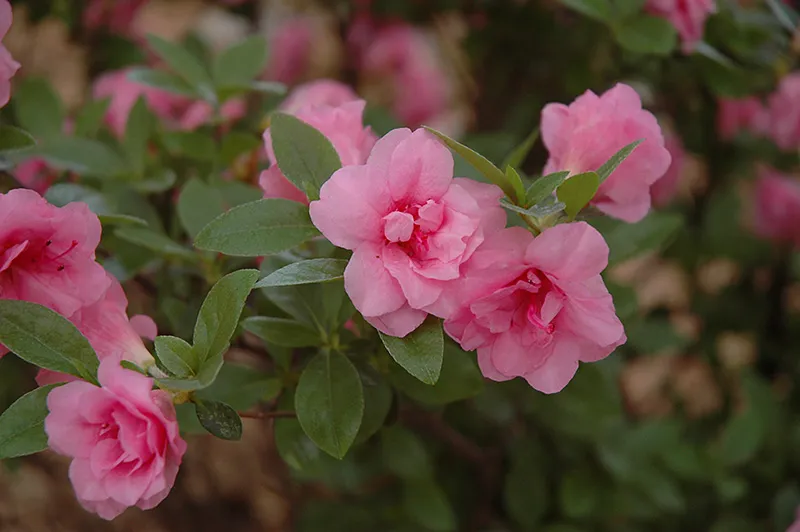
<point>545,302</point>
<point>410,226</point>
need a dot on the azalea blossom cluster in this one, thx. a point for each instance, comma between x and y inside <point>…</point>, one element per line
<point>426,242</point>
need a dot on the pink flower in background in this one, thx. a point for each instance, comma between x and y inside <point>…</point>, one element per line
<point>783,123</point>
<point>122,437</point>
<point>34,174</point>
<point>8,67</point>
<point>406,58</point>
<point>321,92</point>
<point>290,50</point>
<point>777,207</point>
<point>178,111</point>
<point>745,114</point>
<point>688,17</point>
<point>664,190</point>
<point>342,124</point>
<point>795,527</point>
<point>411,226</point>
<point>584,135</point>
<point>47,253</point>
<point>114,15</point>
<point>535,307</point>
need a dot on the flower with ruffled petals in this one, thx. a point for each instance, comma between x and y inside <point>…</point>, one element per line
<point>687,16</point>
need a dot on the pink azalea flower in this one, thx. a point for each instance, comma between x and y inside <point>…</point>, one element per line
<point>584,135</point>
<point>746,114</point>
<point>783,123</point>
<point>34,174</point>
<point>109,331</point>
<point>122,437</point>
<point>177,111</point>
<point>318,93</point>
<point>343,125</point>
<point>8,67</point>
<point>795,527</point>
<point>47,253</point>
<point>688,17</point>
<point>116,16</point>
<point>777,207</point>
<point>290,45</point>
<point>535,307</point>
<point>411,226</point>
<point>664,190</point>
<point>407,58</point>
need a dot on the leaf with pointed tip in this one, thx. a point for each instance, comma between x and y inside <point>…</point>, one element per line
<point>22,424</point>
<point>577,191</point>
<point>310,271</point>
<point>421,352</point>
<point>610,165</point>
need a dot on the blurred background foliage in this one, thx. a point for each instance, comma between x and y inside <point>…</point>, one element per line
<point>693,425</point>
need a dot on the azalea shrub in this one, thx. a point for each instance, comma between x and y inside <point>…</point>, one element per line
<point>494,266</point>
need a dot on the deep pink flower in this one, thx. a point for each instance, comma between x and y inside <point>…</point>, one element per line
<point>783,122</point>
<point>688,17</point>
<point>411,226</point>
<point>745,114</point>
<point>777,207</point>
<point>664,190</point>
<point>535,307</point>
<point>343,125</point>
<point>177,111</point>
<point>407,59</point>
<point>8,67</point>
<point>584,135</point>
<point>47,253</point>
<point>116,16</point>
<point>122,437</point>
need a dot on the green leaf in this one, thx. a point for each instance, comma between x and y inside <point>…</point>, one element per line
<point>646,34</point>
<point>427,505</point>
<point>241,387</point>
<point>183,63</point>
<point>219,314</point>
<point>579,494</point>
<point>459,379</point>
<point>161,80</point>
<point>90,117</point>
<point>46,339</point>
<point>520,153</point>
<point>610,165</point>
<point>22,424</point>
<point>652,335</point>
<point>62,194</point>
<point>596,9</point>
<point>404,454</point>
<point>479,162</point>
<point>544,187</point>
<point>742,437</point>
<point>137,132</point>
<point>154,241</point>
<point>38,107</point>
<point>241,63</point>
<point>259,228</point>
<point>237,143</point>
<point>378,399</point>
<point>305,156</point>
<point>193,145</point>
<point>176,355</point>
<point>577,191</point>
<point>283,332</point>
<point>13,139</point>
<point>235,193</point>
<point>83,156</point>
<point>198,204</point>
<point>330,403</point>
<point>512,176</point>
<point>219,419</point>
<point>420,352</point>
<point>310,271</point>
<point>654,232</point>
<point>161,180</point>
<point>525,490</point>
<point>121,219</point>
<point>627,8</point>
<point>785,15</point>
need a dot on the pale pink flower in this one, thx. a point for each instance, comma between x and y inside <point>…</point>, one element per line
<point>411,226</point>
<point>664,190</point>
<point>343,125</point>
<point>47,253</point>
<point>321,92</point>
<point>290,50</point>
<point>116,16</point>
<point>535,307</point>
<point>584,135</point>
<point>123,439</point>
<point>688,17</point>
<point>8,67</point>
<point>179,112</point>
<point>407,58</point>
<point>745,114</point>
<point>777,206</point>
<point>783,123</point>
